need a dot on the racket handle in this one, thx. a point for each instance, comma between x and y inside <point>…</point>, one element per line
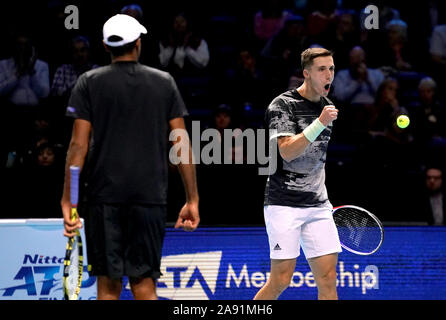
<point>74,185</point>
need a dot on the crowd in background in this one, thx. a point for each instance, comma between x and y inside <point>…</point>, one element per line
<point>229,61</point>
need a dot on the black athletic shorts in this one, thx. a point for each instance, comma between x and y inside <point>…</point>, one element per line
<point>124,240</point>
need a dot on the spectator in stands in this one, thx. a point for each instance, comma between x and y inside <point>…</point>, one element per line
<point>428,113</point>
<point>249,82</point>
<point>269,20</point>
<point>24,79</point>
<point>322,19</point>
<point>64,80</point>
<point>42,131</point>
<point>434,201</point>
<point>183,51</point>
<point>438,45</point>
<point>66,75</point>
<point>387,13</point>
<point>42,183</point>
<point>133,10</point>
<point>45,155</point>
<point>24,82</point>
<point>385,108</point>
<point>281,53</point>
<point>222,118</point>
<point>355,89</point>
<point>437,52</point>
<point>372,39</point>
<point>343,37</point>
<point>358,84</point>
<point>395,52</point>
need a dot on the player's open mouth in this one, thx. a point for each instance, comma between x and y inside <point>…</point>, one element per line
<point>327,87</point>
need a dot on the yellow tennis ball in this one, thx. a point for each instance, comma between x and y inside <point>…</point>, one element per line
<point>403,121</point>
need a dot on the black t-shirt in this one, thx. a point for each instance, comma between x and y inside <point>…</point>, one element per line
<point>300,182</point>
<point>129,106</point>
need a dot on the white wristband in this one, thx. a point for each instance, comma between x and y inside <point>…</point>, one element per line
<point>313,130</point>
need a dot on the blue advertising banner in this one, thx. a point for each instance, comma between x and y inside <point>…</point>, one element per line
<point>230,264</point>
<point>233,263</point>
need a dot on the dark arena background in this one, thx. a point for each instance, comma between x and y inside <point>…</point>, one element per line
<point>387,66</point>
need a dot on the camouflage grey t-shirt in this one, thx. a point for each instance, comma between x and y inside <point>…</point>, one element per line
<point>300,182</point>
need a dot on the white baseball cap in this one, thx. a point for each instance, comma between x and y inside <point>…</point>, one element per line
<point>127,28</point>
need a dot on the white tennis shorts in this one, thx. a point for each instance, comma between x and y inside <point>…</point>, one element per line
<point>290,228</point>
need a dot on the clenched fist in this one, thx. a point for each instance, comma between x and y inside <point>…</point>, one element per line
<point>328,114</point>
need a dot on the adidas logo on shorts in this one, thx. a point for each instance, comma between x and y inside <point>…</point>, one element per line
<point>277,247</point>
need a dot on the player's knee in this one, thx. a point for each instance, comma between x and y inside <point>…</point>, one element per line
<point>328,279</point>
<point>282,282</point>
<point>143,288</point>
<point>108,289</point>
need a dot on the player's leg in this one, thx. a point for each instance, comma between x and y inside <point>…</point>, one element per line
<point>104,248</point>
<point>324,272</point>
<point>279,279</point>
<point>145,235</point>
<point>143,288</point>
<point>108,288</point>
<point>283,228</point>
<point>320,243</point>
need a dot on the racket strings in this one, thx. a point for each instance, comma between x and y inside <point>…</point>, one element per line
<point>357,229</point>
<point>73,268</point>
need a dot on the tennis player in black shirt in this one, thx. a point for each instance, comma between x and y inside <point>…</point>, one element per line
<point>123,114</point>
<point>297,210</point>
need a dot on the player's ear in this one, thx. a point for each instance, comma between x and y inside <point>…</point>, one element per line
<point>138,47</point>
<point>105,46</point>
<point>305,73</point>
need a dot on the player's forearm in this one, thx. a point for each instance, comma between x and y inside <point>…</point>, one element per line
<point>75,157</point>
<point>292,147</point>
<point>183,153</point>
<point>188,175</point>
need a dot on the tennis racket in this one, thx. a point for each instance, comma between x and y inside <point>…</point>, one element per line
<point>73,263</point>
<point>360,231</point>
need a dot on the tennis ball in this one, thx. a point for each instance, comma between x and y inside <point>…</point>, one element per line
<point>403,121</point>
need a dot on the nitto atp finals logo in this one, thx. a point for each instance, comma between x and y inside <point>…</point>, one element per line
<point>40,277</point>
